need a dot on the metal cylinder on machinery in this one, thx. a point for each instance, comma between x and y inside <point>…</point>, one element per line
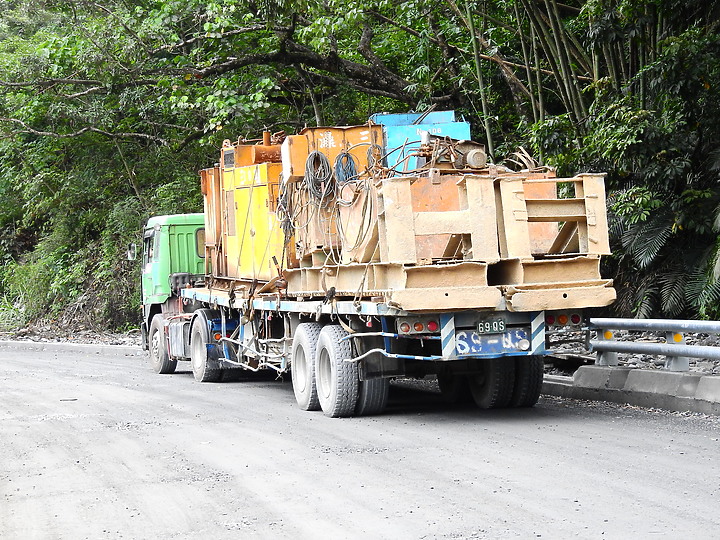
<point>476,158</point>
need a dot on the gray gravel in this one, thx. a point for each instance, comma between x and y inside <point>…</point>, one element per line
<point>48,332</point>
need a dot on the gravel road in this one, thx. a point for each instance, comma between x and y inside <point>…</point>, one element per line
<point>98,446</point>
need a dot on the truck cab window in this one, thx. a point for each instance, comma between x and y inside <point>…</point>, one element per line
<point>200,242</point>
<point>148,247</point>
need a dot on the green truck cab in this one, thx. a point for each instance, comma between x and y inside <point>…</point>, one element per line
<point>173,257</point>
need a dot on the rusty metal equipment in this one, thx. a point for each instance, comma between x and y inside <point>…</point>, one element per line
<point>352,255</point>
<point>457,233</point>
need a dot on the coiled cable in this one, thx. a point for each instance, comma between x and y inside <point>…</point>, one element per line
<point>319,176</point>
<point>375,156</point>
<point>345,168</point>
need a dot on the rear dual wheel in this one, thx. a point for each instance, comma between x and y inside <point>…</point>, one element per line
<point>302,365</point>
<point>372,396</point>
<point>508,382</point>
<point>336,379</point>
<point>492,388</point>
<point>529,372</point>
<point>324,379</point>
<point>372,393</point>
<point>454,388</point>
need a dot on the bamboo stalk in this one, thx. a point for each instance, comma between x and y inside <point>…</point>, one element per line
<point>573,107</point>
<point>541,103</point>
<point>565,61</point>
<point>612,68</point>
<point>550,54</point>
<point>527,64</point>
<point>481,82</point>
<point>621,58</point>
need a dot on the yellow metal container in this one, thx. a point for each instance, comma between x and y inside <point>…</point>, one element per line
<point>252,232</point>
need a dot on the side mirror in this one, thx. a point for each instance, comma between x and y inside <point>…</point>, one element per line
<point>132,252</point>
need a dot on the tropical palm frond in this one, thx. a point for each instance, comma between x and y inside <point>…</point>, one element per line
<point>673,283</point>
<point>644,240</point>
<point>645,306</point>
<point>710,296</point>
<point>646,297</point>
<point>697,282</point>
<point>704,289</point>
<point>714,160</point>
<point>716,221</point>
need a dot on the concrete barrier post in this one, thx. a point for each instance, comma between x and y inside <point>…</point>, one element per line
<point>676,363</point>
<point>606,358</point>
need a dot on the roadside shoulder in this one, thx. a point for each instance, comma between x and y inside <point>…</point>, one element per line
<point>675,391</point>
<point>86,348</point>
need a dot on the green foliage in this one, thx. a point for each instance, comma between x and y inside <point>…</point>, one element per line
<point>46,282</point>
<point>12,315</point>
<point>108,110</point>
<point>555,138</point>
<point>635,204</point>
<point>179,196</point>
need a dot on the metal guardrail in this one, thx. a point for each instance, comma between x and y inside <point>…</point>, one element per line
<point>677,351</point>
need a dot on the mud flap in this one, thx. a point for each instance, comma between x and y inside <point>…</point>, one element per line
<point>144,336</point>
<point>214,356</point>
<point>377,366</point>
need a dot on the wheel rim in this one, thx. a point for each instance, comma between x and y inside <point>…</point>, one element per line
<point>155,346</point>
<point>323,373</point>
<point>198,349</point>
<point>301,368</point>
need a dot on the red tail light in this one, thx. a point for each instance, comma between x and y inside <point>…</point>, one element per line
<point>550,320</point>
<point>432,326</point>
<point>575,318</point>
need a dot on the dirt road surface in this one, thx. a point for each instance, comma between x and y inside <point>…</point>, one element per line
<point>97,446</point>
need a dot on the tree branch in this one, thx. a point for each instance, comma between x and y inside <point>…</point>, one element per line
<point>43,83</point>
<point>220,35</point>
<point>78,133</point>
<point>365,49</point>
<point>372,79</point>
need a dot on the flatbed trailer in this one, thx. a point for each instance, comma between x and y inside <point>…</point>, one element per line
<point>348,278</point>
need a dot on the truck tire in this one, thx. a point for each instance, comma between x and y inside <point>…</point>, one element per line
<point>492,388</point>
<point>336,379</point>
<point>372,393</point>
<point>158,347</point>
<point>202,369</point>
<point>302,365</point>
<point>529,372</point>
<point>454,388</point>
<point>372,396</point>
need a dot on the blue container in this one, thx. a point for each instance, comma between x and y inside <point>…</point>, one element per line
<point>402,136</point>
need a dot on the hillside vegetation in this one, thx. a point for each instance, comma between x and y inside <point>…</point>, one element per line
<point>108,108</point>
